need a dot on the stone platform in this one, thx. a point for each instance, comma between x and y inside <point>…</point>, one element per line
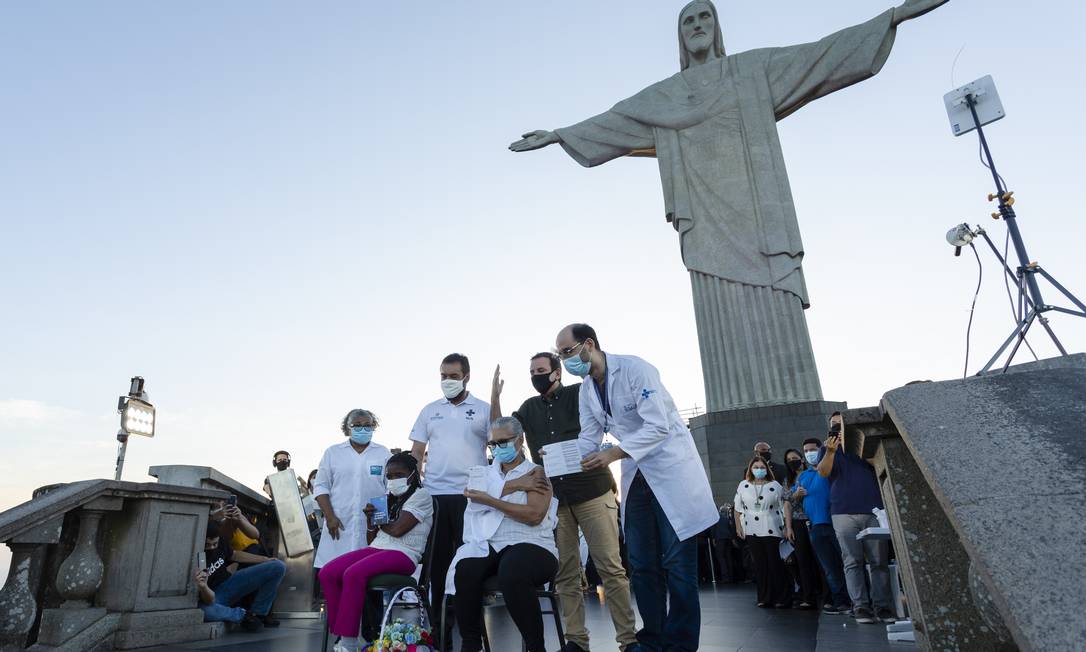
<point>730,621</point>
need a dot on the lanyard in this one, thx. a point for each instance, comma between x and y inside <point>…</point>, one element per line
<point>602,395</point>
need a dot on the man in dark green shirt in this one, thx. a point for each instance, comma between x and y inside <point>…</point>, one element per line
<point>585,503</point>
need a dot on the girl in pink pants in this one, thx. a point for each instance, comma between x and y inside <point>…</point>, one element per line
<point>395,547</point>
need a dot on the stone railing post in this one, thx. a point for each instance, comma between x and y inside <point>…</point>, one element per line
<point>81,573</point>
<point>18,607</point>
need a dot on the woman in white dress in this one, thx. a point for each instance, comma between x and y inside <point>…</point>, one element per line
<point>761,521</point>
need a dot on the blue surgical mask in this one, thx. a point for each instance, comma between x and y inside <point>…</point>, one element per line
<point>758,473</point>
<point>506,453</point>
<point>577,366</point>
<point>361,435</point>
<point>812,457</point>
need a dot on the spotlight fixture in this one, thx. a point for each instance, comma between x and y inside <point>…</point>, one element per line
<point>137,418</point>
<point>959,237</point>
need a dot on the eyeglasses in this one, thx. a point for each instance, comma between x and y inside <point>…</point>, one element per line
<point>568,351</point>
<point>494,444</point>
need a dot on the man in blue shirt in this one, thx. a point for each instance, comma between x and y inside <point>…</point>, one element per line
<point>814,491</point>
<point>854,492</point>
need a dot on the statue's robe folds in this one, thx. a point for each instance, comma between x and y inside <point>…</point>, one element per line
<point>714,132</point>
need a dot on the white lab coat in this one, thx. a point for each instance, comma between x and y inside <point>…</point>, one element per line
<point>648,427</point>
<point>350,479</point>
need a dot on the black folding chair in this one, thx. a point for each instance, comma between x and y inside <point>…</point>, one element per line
<point>390,583</point>
<point>491,590</point>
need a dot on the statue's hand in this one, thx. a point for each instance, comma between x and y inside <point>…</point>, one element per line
<point>912,8</point>
<point>534,140</point>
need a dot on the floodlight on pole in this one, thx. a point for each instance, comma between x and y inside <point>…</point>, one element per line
<point>137,418</point>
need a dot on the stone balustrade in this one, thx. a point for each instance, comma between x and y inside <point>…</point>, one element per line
<point>104,564</point>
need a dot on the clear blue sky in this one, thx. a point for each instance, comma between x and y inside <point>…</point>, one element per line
<point>278,211</point>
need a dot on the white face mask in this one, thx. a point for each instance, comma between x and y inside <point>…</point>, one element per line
<point>451,388</point>
<point>398,486</point>
<point>812,457</point>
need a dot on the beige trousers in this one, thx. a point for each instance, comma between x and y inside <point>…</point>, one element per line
<point>598,519</point>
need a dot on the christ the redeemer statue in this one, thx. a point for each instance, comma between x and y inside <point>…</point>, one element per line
<point>713,130</point>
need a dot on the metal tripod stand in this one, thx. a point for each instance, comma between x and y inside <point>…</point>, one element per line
<point>1031,306</point>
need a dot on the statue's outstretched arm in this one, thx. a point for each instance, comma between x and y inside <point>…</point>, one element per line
<point>912,8</point>
<point>534,140</point>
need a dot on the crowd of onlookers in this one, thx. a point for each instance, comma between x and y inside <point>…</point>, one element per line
<point>474,497</point>
<point>792,528</point>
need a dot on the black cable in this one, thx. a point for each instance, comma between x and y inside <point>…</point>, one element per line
<point>980,154</point>
<point>969,328</point>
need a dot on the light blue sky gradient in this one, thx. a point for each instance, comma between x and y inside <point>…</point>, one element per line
<point>278,211</point>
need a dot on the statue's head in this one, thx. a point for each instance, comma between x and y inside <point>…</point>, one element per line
<point>699,32</point>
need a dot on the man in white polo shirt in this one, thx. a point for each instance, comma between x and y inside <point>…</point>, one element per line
<point>450,434</point>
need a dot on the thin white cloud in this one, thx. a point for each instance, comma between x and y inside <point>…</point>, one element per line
<point>16,412</point>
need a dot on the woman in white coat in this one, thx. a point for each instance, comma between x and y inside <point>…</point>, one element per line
<point>349,475</point>
<point>666,500</point>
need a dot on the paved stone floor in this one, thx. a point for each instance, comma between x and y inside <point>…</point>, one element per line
<point>730,622</point>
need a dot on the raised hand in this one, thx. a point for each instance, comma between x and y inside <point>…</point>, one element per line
<point>534,140</point>
<point>497,385</point>
<point>913,8</point>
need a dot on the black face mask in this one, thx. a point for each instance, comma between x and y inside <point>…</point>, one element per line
<point>795,464</point>
<point>542,382</point>
<point>766,455</point>
<point>282,465</point>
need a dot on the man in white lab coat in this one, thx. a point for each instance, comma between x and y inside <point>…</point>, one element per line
<point>349,475</point>
<point>666,500</point>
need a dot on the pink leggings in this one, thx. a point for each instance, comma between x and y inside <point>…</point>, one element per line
<point>344,582</point>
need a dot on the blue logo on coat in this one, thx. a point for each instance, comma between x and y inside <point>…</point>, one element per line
<point>376,469</point>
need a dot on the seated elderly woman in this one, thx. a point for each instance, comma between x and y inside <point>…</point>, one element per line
<point>508,532</point>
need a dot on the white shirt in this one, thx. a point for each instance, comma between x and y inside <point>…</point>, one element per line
<point>412,544</point>
<point>648,427</point>
<point>765,517</point>
<point>455,436</point>
<point>486,527</point>
<point>349,479</point>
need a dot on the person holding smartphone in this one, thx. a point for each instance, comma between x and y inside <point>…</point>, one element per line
<point>854,492</point>
<point>220,589</point>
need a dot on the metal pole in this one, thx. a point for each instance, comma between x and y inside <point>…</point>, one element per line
<point>121,448</point>
<point>1007,212</point>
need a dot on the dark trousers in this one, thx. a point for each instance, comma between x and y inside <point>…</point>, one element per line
<point>521,569</point>
<point>806,567</point>
<point>448,536</point>
<point>665,574</point>
<point>828,552</point>
<point>774,583</point>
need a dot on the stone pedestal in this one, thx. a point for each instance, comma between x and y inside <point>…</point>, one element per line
<point>726,439</point>
<point>980,479</point>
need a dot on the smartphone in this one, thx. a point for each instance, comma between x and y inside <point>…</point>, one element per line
<point>232,500</point>
<point>835,429</point>
<point>201,560</point>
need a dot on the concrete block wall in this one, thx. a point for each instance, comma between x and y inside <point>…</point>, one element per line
<point>726,439</point>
